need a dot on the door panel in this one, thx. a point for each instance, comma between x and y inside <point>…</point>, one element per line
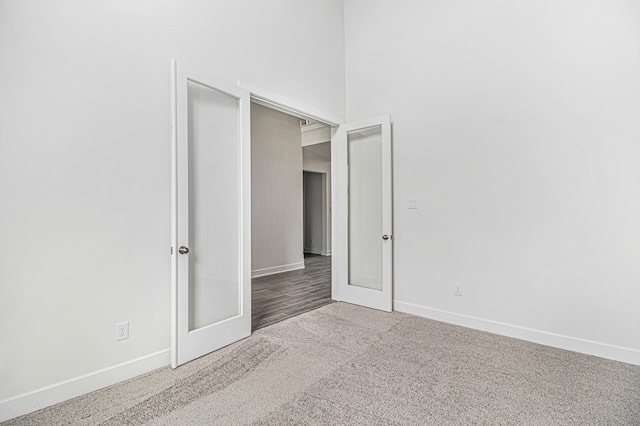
<point>211,215</point>
<point>364,157</point>
<point>369,250</point>
<point>213,206</point>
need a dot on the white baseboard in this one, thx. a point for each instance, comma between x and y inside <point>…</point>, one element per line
<point>589,347</point>
<point>67,389</point>
<point>276,269</point>
<point>319,252</point>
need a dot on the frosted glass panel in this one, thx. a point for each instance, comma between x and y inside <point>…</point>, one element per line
<point>365,207</point>
<point>214,214</point>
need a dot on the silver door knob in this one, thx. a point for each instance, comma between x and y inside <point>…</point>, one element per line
<point>183,250</point>
<point>385,237</point>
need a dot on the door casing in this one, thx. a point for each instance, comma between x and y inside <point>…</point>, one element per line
<point>339,181</point>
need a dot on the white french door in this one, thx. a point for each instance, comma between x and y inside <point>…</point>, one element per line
<point>366,247</point>
<point>211,214</point>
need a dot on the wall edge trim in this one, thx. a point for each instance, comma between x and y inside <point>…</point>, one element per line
<point>277,269</point>
<point>61,391</point>
<point>575,344</point>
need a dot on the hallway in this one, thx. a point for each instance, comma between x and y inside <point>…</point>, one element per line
<point>281,296</point>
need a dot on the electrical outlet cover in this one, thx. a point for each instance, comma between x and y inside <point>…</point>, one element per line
<point>122,331</point>
<point>457,289</point>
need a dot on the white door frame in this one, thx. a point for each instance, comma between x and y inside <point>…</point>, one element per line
<point>289,106</point>
<point>339,174</point>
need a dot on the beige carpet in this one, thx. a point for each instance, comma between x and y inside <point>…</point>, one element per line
<point>347,365</point>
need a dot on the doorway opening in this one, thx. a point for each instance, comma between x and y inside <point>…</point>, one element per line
<point>214,115</point>
<point>314,212</point>
<point>290,215</point>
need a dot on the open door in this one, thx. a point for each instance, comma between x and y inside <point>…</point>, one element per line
<point>366,246</point>
<point>211,214</point>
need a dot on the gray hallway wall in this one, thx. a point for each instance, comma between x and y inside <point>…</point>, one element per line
<point>276,191</point>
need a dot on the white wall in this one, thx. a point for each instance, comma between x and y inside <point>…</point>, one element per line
<point>516,128</point>
<point>85,160</point>
<point>276,192</point>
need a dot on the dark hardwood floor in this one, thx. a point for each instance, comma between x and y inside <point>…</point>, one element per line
<point>281,296</point>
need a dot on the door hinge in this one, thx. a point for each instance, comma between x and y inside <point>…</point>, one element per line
<point>171,250</point>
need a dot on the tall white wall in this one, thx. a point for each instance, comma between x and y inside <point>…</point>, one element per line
<point>276,192</point>
<point>515,125</point>
<point>85,160</point>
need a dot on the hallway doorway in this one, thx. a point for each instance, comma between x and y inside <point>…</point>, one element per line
<point>291,215</point>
